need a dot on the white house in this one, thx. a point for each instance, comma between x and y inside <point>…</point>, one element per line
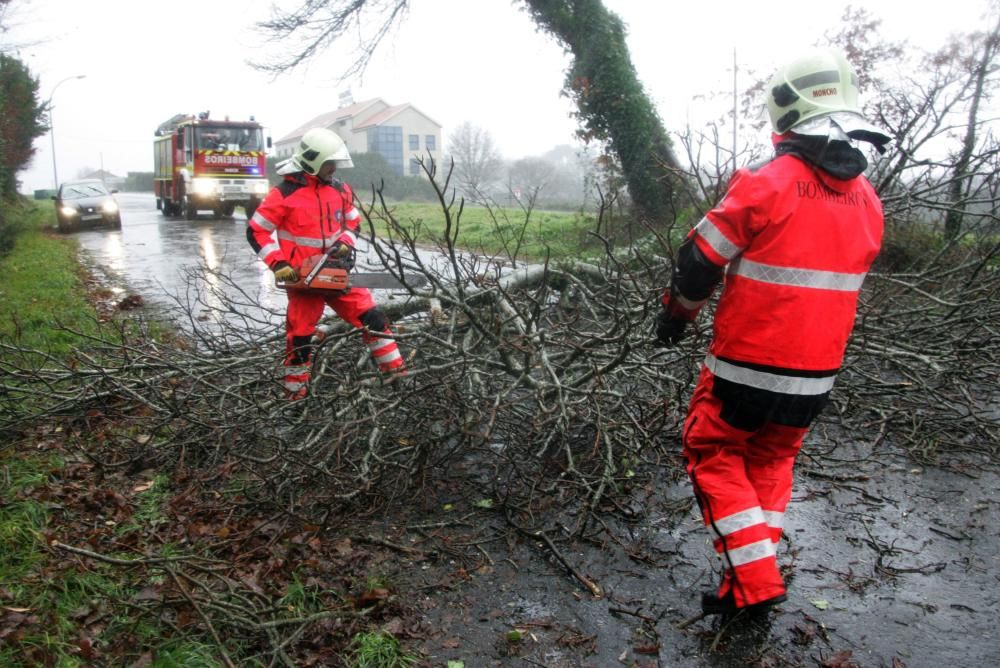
<point>399,133</point>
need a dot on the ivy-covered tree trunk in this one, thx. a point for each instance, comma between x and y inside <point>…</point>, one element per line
<point>612,105</point>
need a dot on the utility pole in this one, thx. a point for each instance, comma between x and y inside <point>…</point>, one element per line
<point>736,105</point>
<point>52,127</point>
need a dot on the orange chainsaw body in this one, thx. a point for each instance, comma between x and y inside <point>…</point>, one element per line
<point>331,276</point>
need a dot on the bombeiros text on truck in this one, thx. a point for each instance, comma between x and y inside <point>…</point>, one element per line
<point>207,164</point>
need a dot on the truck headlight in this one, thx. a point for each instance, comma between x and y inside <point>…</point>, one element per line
<point>260,188</point>
<point>68,211</point>
<point>203,186</point>
<point>110,206</point>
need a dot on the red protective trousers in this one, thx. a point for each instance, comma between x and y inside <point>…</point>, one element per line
<point>304,311</point>
<point>743,482</point>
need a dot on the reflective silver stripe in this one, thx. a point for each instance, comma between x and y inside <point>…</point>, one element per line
<point>816,78</point>
<point>312,242</point>
<point>353,214</point>
<point>387,357</point>
<point>688,304</point>
<point>297,369</point>
<point>772,382</point>
<point>377,344</point>
<point>301,241</point>
<point>707,230</point>
<point>384,350</point>
<point>762,549</point>
<point>774,518</point>
<point>267,250</point>
<point>732,523</point>
<point>260,221</point>
<point>292,386</point>
<point>800,278</point>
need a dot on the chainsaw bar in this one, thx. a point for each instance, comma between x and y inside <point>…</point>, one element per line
<point>380,280</point>
<point>375,280</point>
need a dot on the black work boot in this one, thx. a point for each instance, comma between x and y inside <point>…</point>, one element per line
<point>713,604</point>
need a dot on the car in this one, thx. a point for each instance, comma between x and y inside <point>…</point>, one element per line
<point>86,203</point>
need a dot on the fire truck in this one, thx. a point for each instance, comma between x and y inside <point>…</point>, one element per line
<point>206,164</point>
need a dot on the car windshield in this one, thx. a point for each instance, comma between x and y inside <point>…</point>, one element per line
<point>79,190</point>
<point>230,139</point>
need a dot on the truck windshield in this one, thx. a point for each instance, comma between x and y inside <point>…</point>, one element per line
<point>229,139</point>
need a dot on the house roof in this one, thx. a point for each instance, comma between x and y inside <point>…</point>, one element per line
<point>386,114</point>
<point>101,174</point>
<point>330,117</point>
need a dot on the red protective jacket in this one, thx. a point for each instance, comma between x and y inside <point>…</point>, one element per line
<point>309,216</point>
<point>798,243</point>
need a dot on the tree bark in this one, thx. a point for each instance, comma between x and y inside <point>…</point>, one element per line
<point>612,105</point>
<point>960,175</point>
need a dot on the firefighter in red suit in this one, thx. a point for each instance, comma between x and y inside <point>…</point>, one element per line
<point>793,240</point>
<point>307,214</point>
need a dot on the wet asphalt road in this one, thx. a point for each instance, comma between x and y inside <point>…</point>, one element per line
<point>194,266</point>
<point>161,258</point>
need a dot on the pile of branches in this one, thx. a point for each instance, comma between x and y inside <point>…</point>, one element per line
<point>922,365</point>
<point>533,376</point>
<point>532,379</point>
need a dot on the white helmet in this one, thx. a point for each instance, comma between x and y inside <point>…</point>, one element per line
<point>317,147</point>
<point>818,83</point>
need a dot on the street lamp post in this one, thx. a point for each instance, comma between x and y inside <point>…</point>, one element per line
<point>52,127</point>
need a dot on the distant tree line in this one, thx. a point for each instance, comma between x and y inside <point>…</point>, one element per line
<point>556,180</point>
<point>138,182</point>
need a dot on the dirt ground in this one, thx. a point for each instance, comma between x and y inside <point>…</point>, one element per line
<point>888,563</point>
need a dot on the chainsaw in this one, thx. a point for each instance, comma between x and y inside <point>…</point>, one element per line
<point>331,272</point>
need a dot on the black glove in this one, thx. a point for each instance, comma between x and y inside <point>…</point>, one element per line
<point>669,331</point>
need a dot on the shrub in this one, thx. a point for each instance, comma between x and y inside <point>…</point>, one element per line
<point>906,246</point>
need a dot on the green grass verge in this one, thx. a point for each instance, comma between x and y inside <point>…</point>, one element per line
<point>561,235</point>
<point>42,285</point>
<point>69,602</point>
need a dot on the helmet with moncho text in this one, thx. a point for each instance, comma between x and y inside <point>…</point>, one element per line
<point>817,94</point>
<point>317,147</point>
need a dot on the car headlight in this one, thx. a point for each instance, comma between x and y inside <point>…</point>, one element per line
<point>68,210</point>
<point>110,206</point>
<point>203,186</point>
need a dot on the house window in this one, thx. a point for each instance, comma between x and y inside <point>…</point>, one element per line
<point>387,141</point>
<point>430,141</point>
<point>414,142</point>
<point>414,167</point>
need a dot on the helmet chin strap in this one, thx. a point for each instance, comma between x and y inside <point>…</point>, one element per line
<point>328,179</point>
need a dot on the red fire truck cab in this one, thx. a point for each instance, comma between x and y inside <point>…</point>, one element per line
<point>205,164</point>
